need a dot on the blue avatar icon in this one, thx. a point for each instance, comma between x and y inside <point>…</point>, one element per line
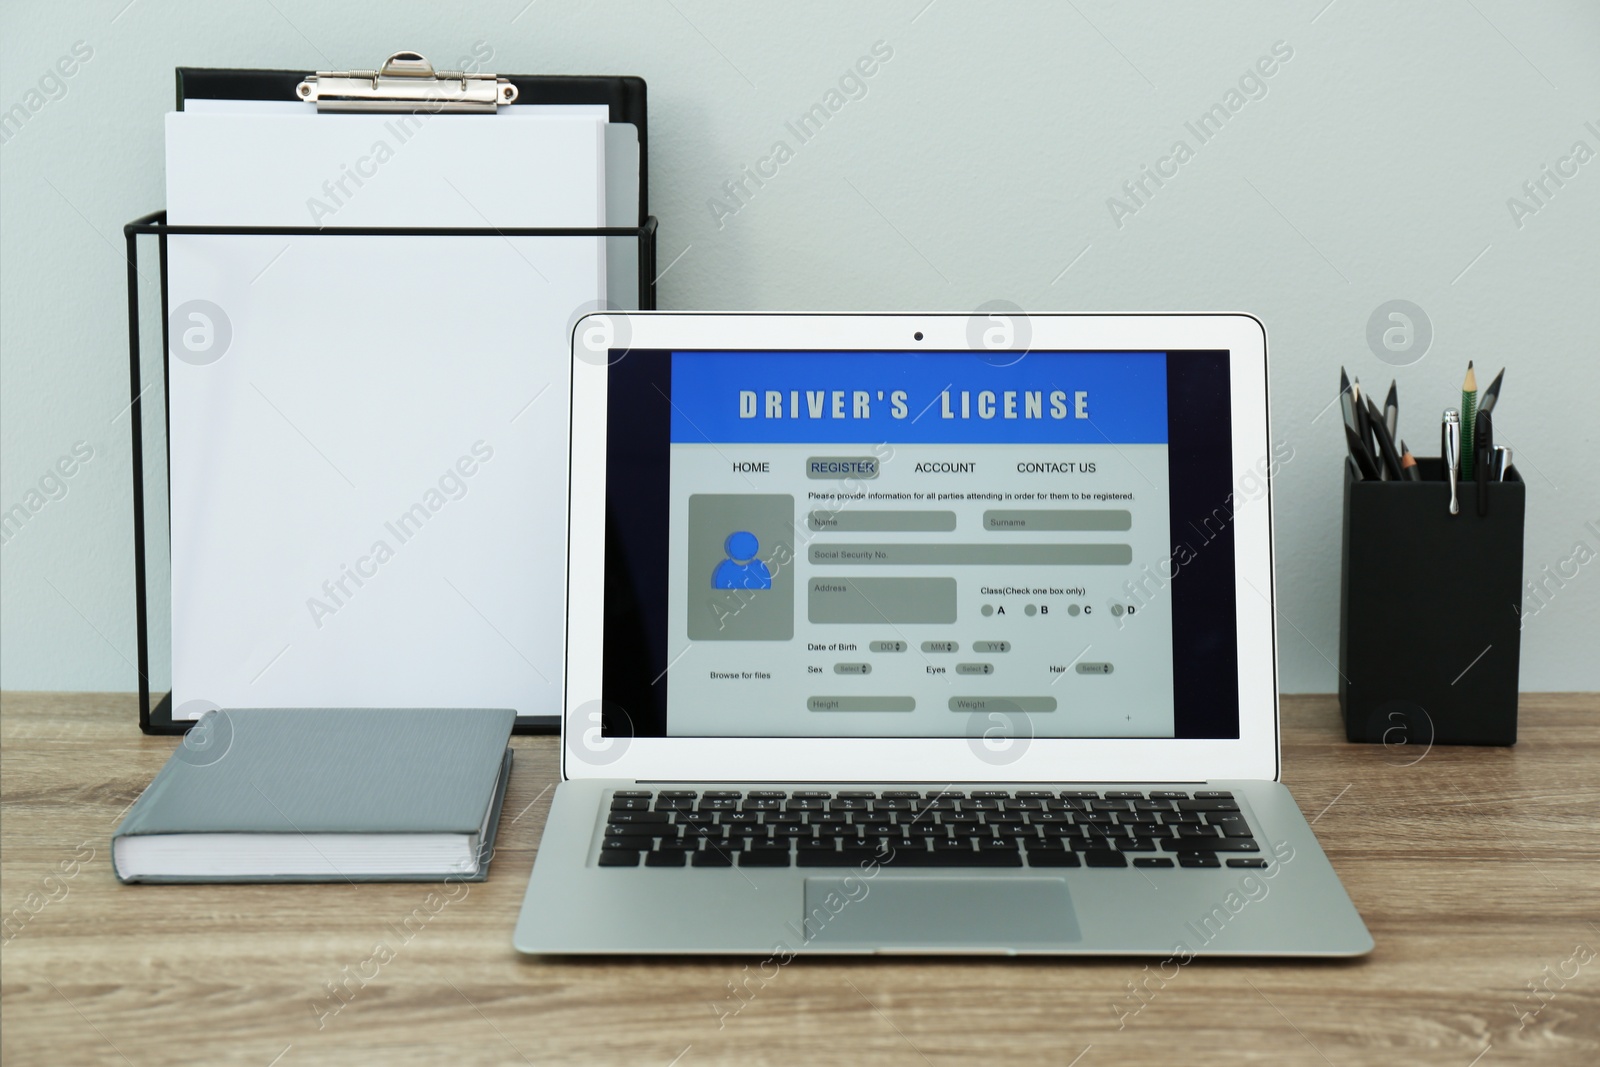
<point>741,570</point>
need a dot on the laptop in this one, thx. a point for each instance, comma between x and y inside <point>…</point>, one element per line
<point>924,634</point>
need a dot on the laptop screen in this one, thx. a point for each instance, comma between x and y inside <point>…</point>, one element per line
<point>909,544</point>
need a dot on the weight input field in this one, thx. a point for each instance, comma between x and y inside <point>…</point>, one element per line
<point>988,555</point>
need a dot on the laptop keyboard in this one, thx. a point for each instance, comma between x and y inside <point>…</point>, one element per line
<point>913,828</point>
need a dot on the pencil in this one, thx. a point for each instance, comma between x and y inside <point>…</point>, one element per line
<point>1469,418</point>
<point>1491,395</point>
<point>1408,464</point>
<point>1391,410</point>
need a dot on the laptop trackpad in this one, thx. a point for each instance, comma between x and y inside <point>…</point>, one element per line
<point>976,911</point>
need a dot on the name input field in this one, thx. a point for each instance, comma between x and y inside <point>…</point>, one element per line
<point>847,521</point>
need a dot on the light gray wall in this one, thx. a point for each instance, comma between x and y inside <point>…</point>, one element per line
<point>1378,165</point>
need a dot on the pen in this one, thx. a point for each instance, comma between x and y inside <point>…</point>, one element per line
<point>1469,415</point>
<point>1452,454</point>
<point>1483,440</point>
<point>1391,410</point>
<point>1491,395</point>
<point>1408,464</point>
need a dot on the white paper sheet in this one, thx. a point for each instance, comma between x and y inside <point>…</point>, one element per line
<point>368,483</point>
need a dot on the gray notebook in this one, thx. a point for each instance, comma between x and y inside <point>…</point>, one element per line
<point>323,795</point>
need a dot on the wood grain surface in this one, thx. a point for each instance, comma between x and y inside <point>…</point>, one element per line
<point>1477,870</point>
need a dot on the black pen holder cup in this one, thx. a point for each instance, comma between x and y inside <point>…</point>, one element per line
<point>1430,604</point>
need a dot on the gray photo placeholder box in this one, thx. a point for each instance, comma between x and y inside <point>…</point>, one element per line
<point>741,571</point>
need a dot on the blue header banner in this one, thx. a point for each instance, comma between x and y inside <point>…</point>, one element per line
<point>919,397</point>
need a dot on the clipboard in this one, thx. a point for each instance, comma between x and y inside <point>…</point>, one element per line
<point>397,85</point>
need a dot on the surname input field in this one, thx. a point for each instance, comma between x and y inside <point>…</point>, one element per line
<point>993,554</point>
<point>1002,520</point>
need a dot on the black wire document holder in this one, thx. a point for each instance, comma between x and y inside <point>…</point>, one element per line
<point>148,411</point>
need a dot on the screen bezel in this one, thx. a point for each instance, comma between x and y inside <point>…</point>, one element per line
<point>1253,754</point>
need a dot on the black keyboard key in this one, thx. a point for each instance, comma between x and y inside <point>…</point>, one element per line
<point>1110,805</point>
<point>1213,794</point>
<point>719,804</point>
<point>761,844</point>
<point>969,858</point>
<point>811,794</point>
<point>722,794</point>
<point>764,858</point>
<point>824,844</point>
<point>891,805</point>
<point>1137,844</point>
<point>631,793</point>
<point>648,829</point>
<point>1079,794</point>
<point>998,845</point>
<point>944,794</point>
<point>1198,859</point>
<point>767,794</point>
<point>1102,858</point>
<point>805,804</point>
<point>666,857</point>
<point>1168,794</point>
<point>901,794</point>
<point>624,844</point>
<point>1152,805</point>
<point>1152,861</point>
<point>856,794</point>
<point>630,804</point>
<point>1207,805</point>
<point>1242,862</point>
<point>713,858</point>
<point>848,804</point>
<point>990,794</point>
<point>679,794</point>
<point>1233,844</point>
<point>1124,794</point>
<point>1035,794</point>
<point>615,857</point>
<point>675,804</point>
<point>636,818</point>
<point>847,858</point>
<point>762,804</point>
<point>1051,858</point>
<point>1192,833</point>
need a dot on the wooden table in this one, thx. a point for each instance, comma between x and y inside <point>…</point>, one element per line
<point>1478,872</point>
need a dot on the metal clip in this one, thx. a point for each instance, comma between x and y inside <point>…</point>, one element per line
<point>406,82</point>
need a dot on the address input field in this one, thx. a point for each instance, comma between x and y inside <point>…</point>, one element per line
<point>989,555</point>
<point>1057,519</point>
